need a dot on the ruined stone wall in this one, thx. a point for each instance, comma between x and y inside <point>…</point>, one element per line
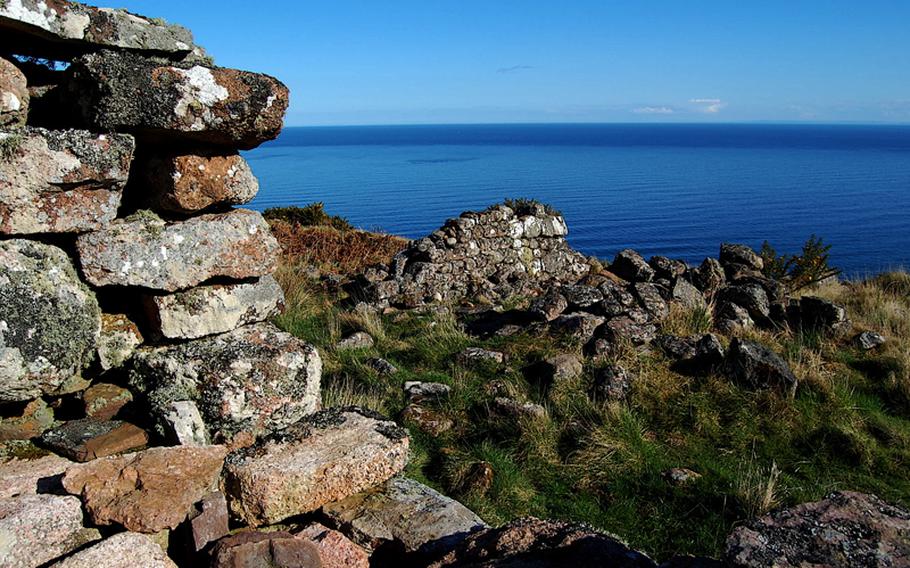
<point>492,254</point>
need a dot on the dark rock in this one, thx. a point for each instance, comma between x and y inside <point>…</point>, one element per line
<point>688,295</point>
<point>844,529</point>
<point>629,265</point>
<point>709,351</point>
<point>209,520</point>
<point>651,300</point>
<point>611,383</point>
<point>755,366</point>
<point>734,254</point>
<point>626,329</point>
<point>277,549</point>
<point>868,340</point>
<point>818,314</point>
<point>617,300</point>
<point>549,305</point>
<point>89,439</point>
<point>512,408</point>
<point>381,366</point>
<point>581,297</point>
<point>499,324</point>
<point>579,325</point>
<point>708,276</point>
<point>731,318</point>
<point>750,296</point>
<point>418,391</point>
<point>667,268</point>
<point>677,348</point>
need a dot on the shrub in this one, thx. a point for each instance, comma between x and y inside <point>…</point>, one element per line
<point>801,270</point>
<point>526,206</point>
<point>312,215</point>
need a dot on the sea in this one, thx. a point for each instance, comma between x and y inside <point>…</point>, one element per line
<point>677,190</point>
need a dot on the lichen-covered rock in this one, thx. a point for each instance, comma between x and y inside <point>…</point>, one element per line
<point>30,477</point>
<point>326,457</point>
<point>37,529</point>
<point>208,310</point>
<point>124,550</point>
<point>688,295</point>
<point>102,401</point>
<point>13,95</point>
<point>32,420</point>
<point>143,250</point>
<point>756,366</point>
<point>611,383</point>
<point>147,491</point>
<point>183,424</point>
<point>406,512</point>
<point>120,336</point>
<point>275,549</point>
<point>844,529</point>
<point>356,340</point>
<point>193,182</point>
<point>751,297</point>
<point>63,29</point>
<point>216,106</point>
<point>49,322</point>
<point>253,379</point>
<point>89,439</point>
<point>818,314</point>
<point>667,268</point>
<point>61,181</point>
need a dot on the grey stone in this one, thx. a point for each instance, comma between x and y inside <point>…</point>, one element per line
<point>512,408</point>
<point>37,529</point>
<point>208,310</point>
<point>559,368</point>
<point>417,391</point>
<point>183,424</point>
<point>667,268</point>
<point>750,296</point>
<point>731,318</point>
<point>406,512</point>
<point>578,325</point>
<point>253,379</point>
<point>14,97</point>
<point>381,366</point>
<point>124,550</point>
<point>629,265</point>
<point>755,366</point>
<point>88,439</point>
<point>142,250</point>
<point>49,322</point>
<point>475,355</point>
<point>118,340</point>
<point>356,340</point>
<point>650,299</point>
<point>61,181</point>
<point>735,254</point>
<point>549,305</point>
<point>581,297</point>
<point>708,276</point>
<point>868,340</point>
<point>611,383</point>
<point>688,295</point>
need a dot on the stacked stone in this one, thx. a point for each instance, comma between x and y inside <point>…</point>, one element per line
<point>492,254</point>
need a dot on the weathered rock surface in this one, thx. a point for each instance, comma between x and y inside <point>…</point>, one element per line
<point>61,181</point>
<point>335,550</point>
<point>49,322</point>
<point>756,366</point>
<point>32,420</point>
<point>532,542</point>
<point>215,106</point>
<point>430,421</point>
<point>512,408</point>
<point>142,250</point>
<point>89,439</point>
<point>13,95</point>
<point>549,305</point>
<point>183,424</point>
<point>193,182</point>
<point>253,379</point>
<point>611,383</point>
<point>119,339</point>
<point>868,340</point>
<point>208,310</point>
<point>209,520</point>
<point>406,512</point>
<point>124,550</point>
<point>736,254</point>
<point>29,477</point>
<point>147,491</point>
<point>277,549</point>
<point>629,265</point>
<point>708,276</point>
<point>844,529</point>
<point>324,458</point>
<point>818,314</point>
<point>556,369</point>
<point>356,340</point>
<point>479,355</point>
<point>37,529</point>
<point>418,391</point>
<point>667,268</point>
<point>102,401</point>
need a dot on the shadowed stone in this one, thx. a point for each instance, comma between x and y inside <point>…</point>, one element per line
<point>13,95</point>
<point>88,439</point>
<point>33,420</point>
<point>192,182</point>
<point>119,339</point>
<point>277,549</point>
<point>756,366</point>
<point>103,401</point>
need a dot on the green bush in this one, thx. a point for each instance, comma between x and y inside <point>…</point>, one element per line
<point>801,270</point>
<point>312,215</point>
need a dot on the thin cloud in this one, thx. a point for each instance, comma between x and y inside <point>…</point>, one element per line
<point>653,110</point>
<point>709,106</point>
<point>513,69</point>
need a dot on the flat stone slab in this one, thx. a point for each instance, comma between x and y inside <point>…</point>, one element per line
<point>89,439</point>
<point>253,379</point>
<point>124,550</point>
<point>323,458</point>
<point>190,183</point>
<point>143,250</point>
<point>49,322</point>
<point>211,105</point>
<point>30,477</point>
<point>37,529</point>
<point>14,97</point>
<point>148,491</point>
<point>404,511</point>
<point>208,310</point>
<point>61,181</point>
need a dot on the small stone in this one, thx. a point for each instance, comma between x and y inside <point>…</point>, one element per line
<point>30,477</point>
<point>755,366</point>
<point>183,424</point>
<point>749,296</point>
<point>418,391</point>
<point>103,401</point>
<point>37,529</point>
<point>559,368</point>
<point>119,339</point>
<point>209,310</point>
<point>147,491</point>
<point>624,329</point>
<point>581,297</point>
<point>191,183</point>
<point>381,366</point>
<point>88,439</point>
<point>429,421</point>
<point>209,520</point>
<point>868,340</point>
<point>579,326</point>
<point>142,250</point>
<point>629,265</point>
<point>335,549</point>
<point>611,383</point>
<point>278,549</point>
<point>475,355</point>
<point>676,348</point>
<point>356,340</point>
<point>13,95</point>
<point>124,550</point>
<point>549,305</point>
<point>680,476</point>
<point>326,457</point>
<point>34,419</point>
<point>61,181</point>
<point>518,410</point>
<point>732,319</point>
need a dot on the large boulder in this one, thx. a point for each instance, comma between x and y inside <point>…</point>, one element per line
<point>324,458</point>
<point>148,491</point>
<point>13,95</point>
<point>755,366</point>
<point>49,322</point>
<point>253,379</point>
<point>61,181</point>
<point>124,550</point>
<point>531,542</point>
<point>208,310</point>
<point>209,105</point>
<point>751,297</point>
<point>844,529</point>
<point>406,513</point>
<point>143,250</point>
<point>36,529</point>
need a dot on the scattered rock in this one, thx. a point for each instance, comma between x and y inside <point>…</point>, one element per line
<point>667,268</point>
<point>30,477</point>
<point>474,355</point>
<point>680,476</point>
<point>49,322</point>
<point>844,529</point>
<point>579,325</point>
<point>142,250</point>
<point>124,550</point>
<point>88,439</point>
<point>624,329</point>
<point>429,421</point>
<point>581,297</point>
<point>732,319</point>
<point>549,305</point>
<point>755,366</point>
<point>406,512</point>
<point>103,401</point>
<point>33,420</point>
<point>818,314</point>
<point>518,410</point>
<point>61,181</point>
<point>629,265</point>
<point>183,424</point>
<point>37,529</point>
<point>709,352</point>
<point>544,544</point>
<point>356,340</point>
<point>556,369</point>
<point>381,366</point>
<point>418,391</point>
<point>611,383</point>
<point>688,295</point>
<point>209,310</point>
<point>650,299</point>
<point>749,296</point>
<point>192,182</point>
<point>253,379</point>
<point>675,347</point>
<point>147,491</point>
<point>335,550</point>
<point>215,106</point>
<point>13,95</point>
<point>617,300</point>
<point>325,457</point>
<point>709,276</point>
<point>277,549</point>
<point>209,520</point>
<point>868,340</point>
<point>118,340</point>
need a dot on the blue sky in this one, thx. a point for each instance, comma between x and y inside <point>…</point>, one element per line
<point>467,61</point>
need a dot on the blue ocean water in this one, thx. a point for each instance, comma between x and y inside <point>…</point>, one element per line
<point>676,190</point>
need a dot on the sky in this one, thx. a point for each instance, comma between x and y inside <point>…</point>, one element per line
<point>354,62</point>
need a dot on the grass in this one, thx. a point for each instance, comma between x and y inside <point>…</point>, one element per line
<point>846,427</point>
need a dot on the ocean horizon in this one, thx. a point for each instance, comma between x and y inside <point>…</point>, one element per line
<point>672,189</point>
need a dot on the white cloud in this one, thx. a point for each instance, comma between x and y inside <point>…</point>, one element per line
<point>710,106</point>
<point>653,110</point>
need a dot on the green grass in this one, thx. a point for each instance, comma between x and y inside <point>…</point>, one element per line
<point>846,427</point>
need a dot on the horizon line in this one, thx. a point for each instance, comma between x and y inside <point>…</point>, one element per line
<point>610,123</point>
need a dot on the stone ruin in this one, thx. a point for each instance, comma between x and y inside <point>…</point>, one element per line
<point>493,254</point>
